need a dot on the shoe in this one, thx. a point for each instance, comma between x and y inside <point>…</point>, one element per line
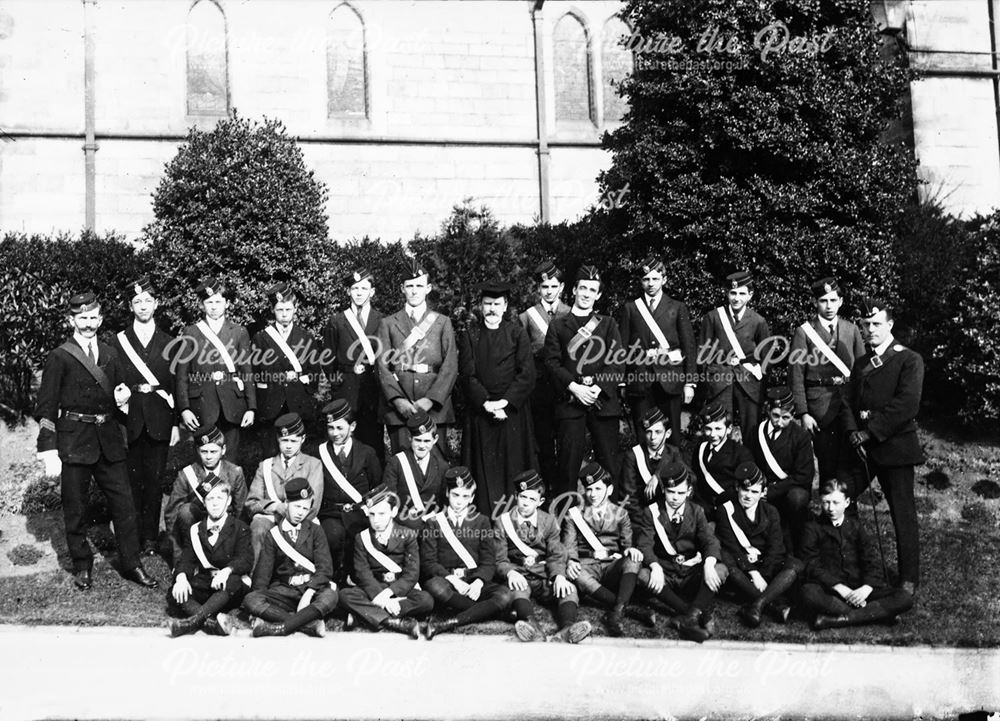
<point>574,633</point>
<point>220,625</point>
<point>316,629</point>
<point>706,619</point>
<point>690,631</point>
<point>433,629</point>
<point>349,623</point>
<point>264,628</point>
<point>139,575</point>
<point>910,587</point>
<point>782,613</point>
<point>182,626</point>
<point>750,615</point>
<point>644,616</point>
<point>613,620</point>
<point>824,622</point>
<point>82,579</point>
<point>528,632</point>
<point>148,549</point>
<point>408,626</point>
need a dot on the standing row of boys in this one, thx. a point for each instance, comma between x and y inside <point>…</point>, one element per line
<point>534,390</point>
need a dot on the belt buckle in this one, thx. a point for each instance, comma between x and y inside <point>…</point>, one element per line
<point>530,561</point>
<point>144,388</point>
<point>864,415</point>
<point>838,380</point>
<point>100,418</point>
<point>587,380</point>
<point>388,577</point>
<point>420,368</point>
<point>347,507</point>
<point>218,376</point>
<point>291,376</point>
<point>359,368</point>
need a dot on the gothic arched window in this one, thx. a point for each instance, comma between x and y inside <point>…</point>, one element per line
<point>346,64</point>
<point>207,71</point>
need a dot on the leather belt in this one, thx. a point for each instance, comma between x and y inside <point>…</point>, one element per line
<point>96,418</point>
<point>418,368</point>
<point>342,507</point>
<point>825,382</point>
<point>144,388</point>
<point>356,369</point>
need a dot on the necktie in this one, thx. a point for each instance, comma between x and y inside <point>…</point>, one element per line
<point>361,319</point>
<point>90,353</point>
<point>550,312</point>
<point>293,533</point>
<point>342,456</point>
<point>213,533</point>
<point>774,433</point>
<point>528,531</point>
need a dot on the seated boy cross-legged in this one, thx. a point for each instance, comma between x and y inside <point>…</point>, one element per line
<point>215,556</point>
<point>681,555</point>
<point>532,561</point>
<point>458,558</point>
<point>749,530</point>
<point>292,589</point>
<point>602,561</point>
<point>844,584</point>
<point>386,569</point>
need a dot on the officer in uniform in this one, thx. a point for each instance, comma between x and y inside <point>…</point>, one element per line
<point>657,331</point>
<point>214,383</point>
<point>349,344</point>
<point>536,322</point>
<point>417,361</point>
<point>878,414</point>
<point>823,352</point>
<point>147,356</point>
<point>583,356</point>
<point>286,367</point>
<point>82,402</point>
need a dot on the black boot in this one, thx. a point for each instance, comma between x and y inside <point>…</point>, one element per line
<point>408,626</point>
<point>266,628</point>
<point>641,614</point>
<point>690,629</point>
<point>613,620</point>
<point>824,622</point>
<point>184,626</point>
<point>433,629</point>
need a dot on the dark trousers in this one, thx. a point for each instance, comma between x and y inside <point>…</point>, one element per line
<point>146,460</point>
<point>745,410</point>
<point>205,600</point>
<point>827,447</point>
<point>793,508</point>
<point>573,448</point>
<point>279,602</point>
<point>884,602</point>
<point>897,485</point>
<point>340,528</point>
<point>231,433</point>
<point>112,479</point>
<point>669,403</point>
<point>544,422</point>
<point>680,586</point>
<point>356,601</point>
<point>493,599</point>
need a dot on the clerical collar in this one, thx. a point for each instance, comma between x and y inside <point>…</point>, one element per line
<point>532,519</point>
<point>883,346</point>
<point>492,327</point>
<point>417,311</point>
<point>580,313</point>
<point>215,325</point>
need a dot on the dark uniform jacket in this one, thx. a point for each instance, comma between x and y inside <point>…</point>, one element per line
<point>614,531</point>
<point>428,485</point>
<point>438,558</point>
<point>764,534</point>
<point>342,352</point>
<point>689,538</point>
<point>722,466</point>
<point>199,360</point>
<point>551,552</point>
<point>275,380</point>
<point>811,376</point>
<point>673,319</point>
<point>436,349</point>
<point>67,385</point>
<point>751,330</point>
<point>402,547</point>
<point>362,471</point>
<point>792,449</point>
<point>564,367</point>
<point>633,484</point>
<point>232,549</point>
<point>844,554</point>
<point>275,568</point>
<point>182,492</point>
<point>149,411</point>
<point>884,401</point>
<point>259,500</point>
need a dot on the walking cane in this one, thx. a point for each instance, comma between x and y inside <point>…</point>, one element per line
<point>863,454</point>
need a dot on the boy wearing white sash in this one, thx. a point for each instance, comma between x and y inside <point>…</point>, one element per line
<point>681,555</point>
<point>186,505</point>
<point>783,451</point>
<point>603,563</point>
<point>292,580</point>
<point>639,480</point>
<point>458,559</point>
<point>749,530</point>
<point>349,348</point>
<point>716,459</point>
<point>531,560</point>
<point>217,555</point>
<point>266,501</point>
<point>730,352</point>
<point>386,569</point>
<point>350,470</point>
<point>536,322</point>
<point>823,352</point>
<point>286,366</point>
<point>416,474</point>
<point>147,356</point>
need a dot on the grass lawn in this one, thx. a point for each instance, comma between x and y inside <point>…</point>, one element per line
<point>958,603</point>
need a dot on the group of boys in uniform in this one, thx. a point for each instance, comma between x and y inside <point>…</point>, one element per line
<point>526,517</point>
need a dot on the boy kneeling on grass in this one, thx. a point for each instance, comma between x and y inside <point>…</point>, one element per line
<point>292,590</point>
<point>532,561</point>
<point>386,569</point>
<point>681,555</point>
<point>749,531</point>
<point>216,556</point>
<point>845,585</point>
<point>458,558</point>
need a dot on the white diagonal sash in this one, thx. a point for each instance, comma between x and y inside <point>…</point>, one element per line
<point>661,532</point>
<point>269,480</point>
<point>199,550</point>
<point>289,550</point>
<point>227,359</point>
<point>586,531</point>
<point>452,539</point>
<point>536,318</point>
<point>583,334</point>
<point>651,323</point>
<point>387,563</point>
<point>727,328</point>
<point>508,526</point>
<point>709,478</point>
<point>419,331</point>
<point>825,349</point>
<point>284,348</point>
<point>144,371</point>
<point>192,479</point>
<point>411,482</point>
<point>768,455</point>
<point>640,461</point>
<point>737,531</point>
<point>366,344</point>
<point>338,476</point>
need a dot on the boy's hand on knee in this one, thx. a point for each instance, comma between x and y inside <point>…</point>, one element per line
<point>182,589</point>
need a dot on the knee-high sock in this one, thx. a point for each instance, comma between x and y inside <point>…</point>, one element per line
<point>566,613</point>
<point>462,603</point>
<point>522,607</point>
<point>297,620</point>
<point>604,596</point>
<point>626,587</point>
<point>479,612</point>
